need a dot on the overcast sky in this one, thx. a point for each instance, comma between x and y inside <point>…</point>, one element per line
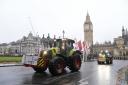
<point>54,16</point>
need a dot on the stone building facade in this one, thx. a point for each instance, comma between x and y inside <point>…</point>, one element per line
<point>105,46</point>
<point>29,45</point>
<point>119,48</point>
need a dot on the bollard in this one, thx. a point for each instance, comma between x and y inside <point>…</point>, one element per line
<point>126,76</point>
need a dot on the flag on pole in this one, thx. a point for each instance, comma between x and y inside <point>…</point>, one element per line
<point>75,44</point>
<point>79,45</point>
<point>85,45</point>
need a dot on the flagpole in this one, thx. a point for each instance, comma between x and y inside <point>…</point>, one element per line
<point>84,55</point>
<point>84,51</point>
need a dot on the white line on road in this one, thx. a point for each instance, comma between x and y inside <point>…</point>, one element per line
<point>83,82</point>
<point>53,79</point>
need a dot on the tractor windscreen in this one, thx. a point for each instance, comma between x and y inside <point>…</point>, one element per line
<point>58,43</point>
<point>70,43</point>
<point>64,43</point>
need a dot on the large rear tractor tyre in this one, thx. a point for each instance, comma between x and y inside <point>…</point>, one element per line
<point>56,66</point>
<point>75,63</point>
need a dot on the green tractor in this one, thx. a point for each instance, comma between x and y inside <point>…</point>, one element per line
<point>61,54</point>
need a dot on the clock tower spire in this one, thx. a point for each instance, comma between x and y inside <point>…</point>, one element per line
<point>88,30</point>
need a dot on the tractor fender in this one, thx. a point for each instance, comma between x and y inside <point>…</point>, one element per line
<point>76,52</point>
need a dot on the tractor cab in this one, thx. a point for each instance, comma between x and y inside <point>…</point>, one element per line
<point>64,45</point>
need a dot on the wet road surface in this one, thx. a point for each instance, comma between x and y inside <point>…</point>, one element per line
<point>90,74</point>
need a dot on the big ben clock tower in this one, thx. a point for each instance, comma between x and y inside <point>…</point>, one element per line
<point>88,31</point>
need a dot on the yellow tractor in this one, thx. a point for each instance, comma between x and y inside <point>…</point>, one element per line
<point>105,57</point>
<point>61,54</point>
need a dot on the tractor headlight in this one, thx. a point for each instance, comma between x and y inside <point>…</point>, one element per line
<point>45,53</point>
<point>62,47</point>
<point>109,55</point>
<point>100,54</point>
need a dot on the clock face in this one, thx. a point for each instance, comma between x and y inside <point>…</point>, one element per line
<point>87,27</point>
<point>91,26</point>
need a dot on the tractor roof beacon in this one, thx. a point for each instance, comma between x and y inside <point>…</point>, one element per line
<point>60,55</point>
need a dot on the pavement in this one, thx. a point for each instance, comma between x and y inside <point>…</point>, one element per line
<point>10,64</point>
<point>122,76</point>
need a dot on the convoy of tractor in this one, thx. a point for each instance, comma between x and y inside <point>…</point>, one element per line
<point>60,55</point>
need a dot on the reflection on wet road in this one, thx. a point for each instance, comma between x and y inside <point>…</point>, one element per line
<point>90,74</point>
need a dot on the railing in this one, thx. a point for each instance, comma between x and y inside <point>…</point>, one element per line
<point>120,58</point>
<point>115,57</point>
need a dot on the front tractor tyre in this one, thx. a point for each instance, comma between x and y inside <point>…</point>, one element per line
<point>107,61</point>
<point>75,62</point>
<point>111,62</point>
<point>39,69</point>
<point>56,66</point>
<point>98,62</point>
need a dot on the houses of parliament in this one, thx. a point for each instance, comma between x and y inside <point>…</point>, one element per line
<point>119,46</point>
<point>31,43</point>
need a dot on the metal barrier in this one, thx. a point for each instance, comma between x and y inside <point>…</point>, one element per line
<point>120,58</point>
<point>126,76</point>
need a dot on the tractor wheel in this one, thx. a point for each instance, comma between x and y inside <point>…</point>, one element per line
<point>75,62</point>
<point>39,69</point>
<point>111,62</point>
<point>107,61</point>
<point>98,62</point>
<point>56,66</point>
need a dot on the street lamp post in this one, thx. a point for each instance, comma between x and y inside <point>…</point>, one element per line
<point>124,52</point>
<point>48,38</point>
<point>63,33</point>
<point>20,47</point>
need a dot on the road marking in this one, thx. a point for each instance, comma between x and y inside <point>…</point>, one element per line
<point>83,82</point>
<point>53,79</point>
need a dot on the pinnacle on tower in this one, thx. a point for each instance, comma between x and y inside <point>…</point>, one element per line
<point>122,28</point>
<point>48,36</point>
<point>43,35</point>
<point>87,15</point>
<point>54,36</point>
<point>88,21</point>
